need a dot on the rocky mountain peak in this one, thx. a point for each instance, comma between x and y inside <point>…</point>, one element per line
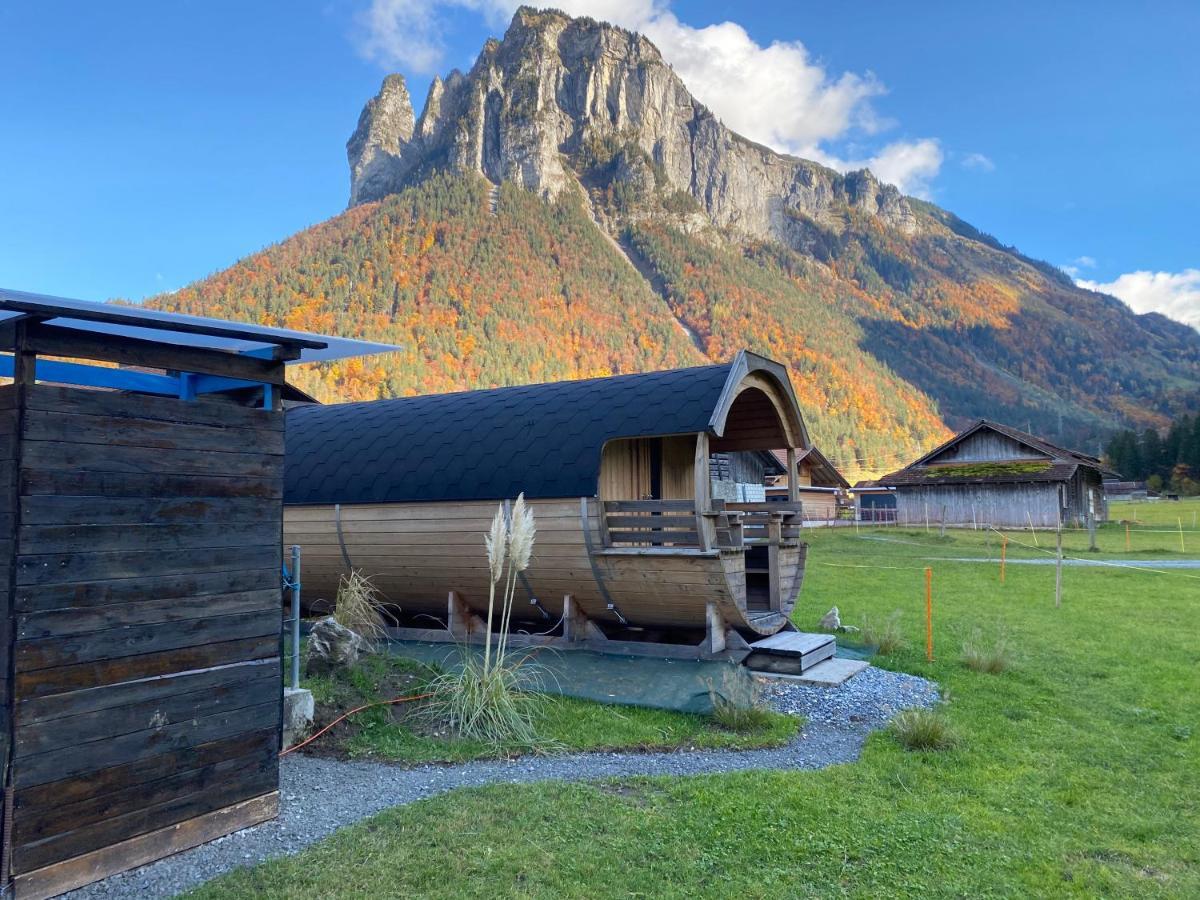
<point>561,102</point>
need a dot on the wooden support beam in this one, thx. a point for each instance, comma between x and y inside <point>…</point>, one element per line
<point>774,536</point>
<point>705,527</point>
<point>52,340</point>
<point>714,630</point>
<point>460,620</point>
<point>793,477</point>
<point>574,621</point>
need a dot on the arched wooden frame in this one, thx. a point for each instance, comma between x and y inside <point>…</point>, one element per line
<point>752,372</point>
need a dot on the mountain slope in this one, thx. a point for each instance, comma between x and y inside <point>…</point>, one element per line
<point>631,230</point>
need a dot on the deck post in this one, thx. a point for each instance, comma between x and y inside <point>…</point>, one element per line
<point>705,527</point>
<point>460,621</point>
<point>774,537</point>
<point>573,620</point>
<point>714,636</point>
<point>793,476</point>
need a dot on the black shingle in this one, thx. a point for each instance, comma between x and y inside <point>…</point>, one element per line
<point>542,439</point>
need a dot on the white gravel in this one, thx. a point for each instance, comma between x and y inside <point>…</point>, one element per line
<point>319,796</point>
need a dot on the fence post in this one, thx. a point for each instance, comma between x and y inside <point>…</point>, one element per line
<point>1126,536</point>
<point>1058,569</point>
<point>295,581</point>
<point>1003,555</point>
<point>1182,548</point>
<point>1091,523</point>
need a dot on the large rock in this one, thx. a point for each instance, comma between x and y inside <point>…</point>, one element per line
<point>560,98</point>
<point>298,711</point>
<point>333,646</point>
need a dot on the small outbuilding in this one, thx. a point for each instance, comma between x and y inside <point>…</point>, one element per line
<point>140,597</point>
<point>622,475</point>
<point>820,487</point>
<point>991,474</point>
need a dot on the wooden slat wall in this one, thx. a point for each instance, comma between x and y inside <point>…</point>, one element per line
<point>146,616</point>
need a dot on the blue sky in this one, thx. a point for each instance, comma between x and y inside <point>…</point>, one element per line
<point>148,144</point>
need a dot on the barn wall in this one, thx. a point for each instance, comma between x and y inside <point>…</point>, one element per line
<point>147,613</point>
<point>991,504</point>
<point>986,444</point>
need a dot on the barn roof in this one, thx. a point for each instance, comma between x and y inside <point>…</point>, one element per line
<point>1060,465</point>
<point>542,439</point>
<point>821,467</point>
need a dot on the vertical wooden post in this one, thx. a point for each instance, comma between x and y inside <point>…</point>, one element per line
<point>1126,537</point>
<point>714,638</point>
<point>1182,548</point>
<point>1003,555</point>
<point>774,581</point>
<point>1058,569</point>
<point>793,476</point>
<point>929,614</point>
<point>705,528</point>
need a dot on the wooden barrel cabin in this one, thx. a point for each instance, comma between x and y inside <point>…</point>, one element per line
<point>631,543</point>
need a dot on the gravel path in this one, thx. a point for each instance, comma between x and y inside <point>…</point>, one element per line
<point>320,796</point>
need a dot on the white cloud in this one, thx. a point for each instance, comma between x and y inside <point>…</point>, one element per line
<point>1078,264</point>
<point>777,94</point>
<point>978,162</point>
<point>1174,294</point>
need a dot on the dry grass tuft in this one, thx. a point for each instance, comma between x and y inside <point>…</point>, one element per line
<point>922,730</point>
<point>990,655</point>
<point>884,634</point>
<point>360,608</point>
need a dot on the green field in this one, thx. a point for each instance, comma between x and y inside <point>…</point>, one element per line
<point>1077,772</point>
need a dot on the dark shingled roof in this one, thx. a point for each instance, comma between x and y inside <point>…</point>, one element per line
<point>543,439</point>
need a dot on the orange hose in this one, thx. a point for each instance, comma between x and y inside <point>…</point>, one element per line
<point>347,715</point>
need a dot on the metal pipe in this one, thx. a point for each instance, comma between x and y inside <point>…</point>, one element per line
<point>295,582</point>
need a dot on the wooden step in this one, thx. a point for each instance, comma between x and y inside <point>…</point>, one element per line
<point>790,652</point>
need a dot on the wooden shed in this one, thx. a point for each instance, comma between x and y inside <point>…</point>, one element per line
<point>819,485</point>
<point>141,511</point>
<point>991,474</point>
<point>631,545</point>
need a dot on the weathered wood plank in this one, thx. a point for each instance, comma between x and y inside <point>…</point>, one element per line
<point>53,398</point>
<point>120,484</point>
<point>191,587</point>
<point>62,568</point>
<point>35,825</point>
<point>74,343</point>
<point>115,431</point>
<point>44,709</point>
<point>74,620</point>
<point>148,460</point>
<point>249,783</point>
<point>70,510</point>
<point>38,799</point>
<point>41,682</point>
<point>72,873</point>
<point>125,748</point>
<point>37,539</point>
<point>132,640</point>
<point>81,731</point>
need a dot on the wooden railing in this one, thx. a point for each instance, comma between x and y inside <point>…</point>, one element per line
<point>676,524</point>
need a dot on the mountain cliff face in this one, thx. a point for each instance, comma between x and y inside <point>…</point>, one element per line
<point>566,209</point>
<point>536,107</point>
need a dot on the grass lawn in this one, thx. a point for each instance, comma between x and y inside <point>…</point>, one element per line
<point>1159,512</point>
<point>398,733</point>
<point>1077,772</point>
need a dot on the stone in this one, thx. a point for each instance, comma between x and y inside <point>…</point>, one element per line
<point>561,102</point>
<point>332,645</point>
<point>298,711</point>
<point>832,620</point>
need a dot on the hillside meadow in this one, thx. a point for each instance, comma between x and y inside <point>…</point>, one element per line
<point>1076,772</point>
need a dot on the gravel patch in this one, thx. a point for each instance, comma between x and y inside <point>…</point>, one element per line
<point>864,703</point>
<point>318,796</point>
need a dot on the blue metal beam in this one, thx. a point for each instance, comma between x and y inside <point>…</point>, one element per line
<point>96,376</point>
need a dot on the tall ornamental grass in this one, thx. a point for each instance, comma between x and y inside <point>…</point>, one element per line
<point>483,699</point>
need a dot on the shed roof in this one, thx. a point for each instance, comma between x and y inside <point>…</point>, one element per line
<point>1061,465</point>
<point>176,328</point>
<point>821,467</point>
<point>544,439</point>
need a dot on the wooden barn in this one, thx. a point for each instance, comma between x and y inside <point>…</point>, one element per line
<point>141,511</point>
<point>819,485</point>
<point>991,474</point>
<point>632,545</point>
